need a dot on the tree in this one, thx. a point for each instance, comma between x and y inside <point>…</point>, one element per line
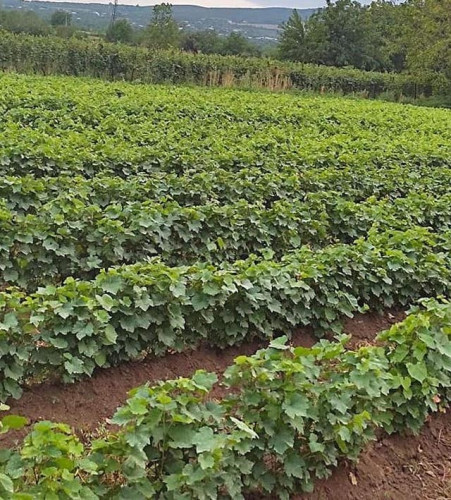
<point>61,18</point>
<point>120,31</point>
<point>344,26</point>
<point>336,36</point>
<point>236,44</point>
<point>163,32</point>
<point>205,42</point>
<point>23,22</point>
<point>292,39</point>
<point>425,36</point>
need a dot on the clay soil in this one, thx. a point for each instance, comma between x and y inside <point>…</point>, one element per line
<point>395,467</point>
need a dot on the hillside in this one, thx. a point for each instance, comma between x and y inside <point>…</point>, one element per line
<point>259,25</point>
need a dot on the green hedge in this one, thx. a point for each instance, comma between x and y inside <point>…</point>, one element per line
<point>51,55</point>
<point>290,415</point>
<point>149,308</point>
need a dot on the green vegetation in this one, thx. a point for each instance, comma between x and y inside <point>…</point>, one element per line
<point>382,36</point>
<point>61,18</point>
<point>53,55</point>
<point>35,249</point>
<point>56,126</point>
<point>139,220</point>
<point>119,31</point>
<point>151,307</point>
<point>410,39</point>
<point>163,32</point>
<point>290,415</point>
<point>23,22</point>
<point>258,25</point>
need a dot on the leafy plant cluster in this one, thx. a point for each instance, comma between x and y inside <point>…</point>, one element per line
<point>139,220</point>
<point>130,311</point>
<point>288,416</point>
<point>68,238</point>
<point>28,194</point>
<point>55,126</point>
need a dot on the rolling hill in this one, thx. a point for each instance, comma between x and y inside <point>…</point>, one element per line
<point>259,25</point>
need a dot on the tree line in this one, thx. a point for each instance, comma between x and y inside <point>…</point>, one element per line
<point>383,36</point>
<point>162,32</point>
<point>414,36</point>
<point>27,21</point>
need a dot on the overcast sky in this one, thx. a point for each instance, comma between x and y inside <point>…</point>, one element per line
<point>299,4</point>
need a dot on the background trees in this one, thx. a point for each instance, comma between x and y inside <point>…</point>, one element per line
<point>425,36</point>
<point>292,39</point>
<point>163,32</point>
<point>120,31</point>
<point>61,18</point>
<point>413,36</point>
<point>23,22</point>
<point>383,36</point>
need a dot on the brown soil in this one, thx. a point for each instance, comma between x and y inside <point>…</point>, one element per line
<point>393,468</point>
<point>91,401</point>
<point>364,327</point>
<point>396,468</point>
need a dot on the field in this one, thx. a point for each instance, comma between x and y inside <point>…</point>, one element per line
<point>149,231</point>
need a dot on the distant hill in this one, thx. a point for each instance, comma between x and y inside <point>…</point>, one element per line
<point>259,25</point>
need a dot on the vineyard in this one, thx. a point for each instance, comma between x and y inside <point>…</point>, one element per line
<point>139,221</point>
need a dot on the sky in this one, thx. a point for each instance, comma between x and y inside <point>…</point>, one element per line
<point>299,4</point>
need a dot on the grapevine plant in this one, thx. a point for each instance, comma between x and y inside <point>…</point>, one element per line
<point>290,415</point>
<point>137,220</point>
<point>149,308</point>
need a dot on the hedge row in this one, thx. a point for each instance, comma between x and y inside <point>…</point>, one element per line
<point>51,55</point>
<point>290,416</point>
<point>150,308</point>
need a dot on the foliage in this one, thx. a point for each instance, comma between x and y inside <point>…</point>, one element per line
<point>205,42</point>
<point>23,22</point>
<point>51,55</point>
<point>412,36</point>
<point>163,32</point>
<point>335,36</point>
<point>28,194</point>
<point>61,18</point>
<point>141,220</point>
<point>289,415</point>
<point>123,246</point>
<point>37,250</point>
<point>291,40</point>
<point>426,37</point>
<point>236,44</point>
<point>150,307</point>
<point>122,129</point>
<point>120,31</point>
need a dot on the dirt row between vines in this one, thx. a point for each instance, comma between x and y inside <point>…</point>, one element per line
<point>393,468</point>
